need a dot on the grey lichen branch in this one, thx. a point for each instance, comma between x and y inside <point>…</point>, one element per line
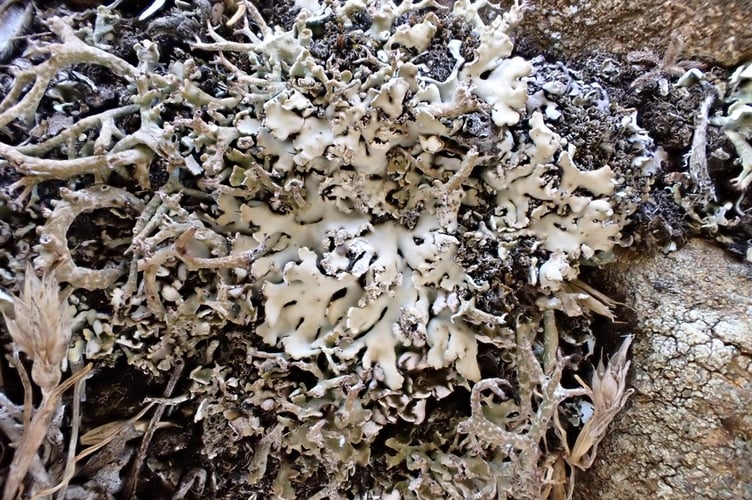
<point>441,192</point>
<point>242,260</point>
<point>272,439</point>
<point>43,169</point>
<point>185,235</point>
<point>480,429</point>
<point>257,18</point>
<point>71,51</point>
<point>463,102</point>
<point>697,160</point>
<point>81,126</point>
<point>53,241</point>
<point>518,427</point>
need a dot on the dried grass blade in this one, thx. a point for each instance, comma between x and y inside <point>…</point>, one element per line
<point>130,486</point>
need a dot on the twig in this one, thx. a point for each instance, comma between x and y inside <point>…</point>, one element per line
<point>10,415</point>
<point>34,435</point>
<point>70,466</point>
<point>96,447</point>
<point>130,486</point>
<point>26,384</point>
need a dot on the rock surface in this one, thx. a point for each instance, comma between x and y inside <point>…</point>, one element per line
<point>713,31</point>
<point>688,430</point>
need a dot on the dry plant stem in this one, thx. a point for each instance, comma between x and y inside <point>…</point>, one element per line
<point>609,394</point>
<point>28,393</point>
<point>559,490</point>
<point>70,467</point>
<point>127,424</point>
<point>34,435</point>
<point>10,415</point>
<point>596,301</point>
<point>130,486</point>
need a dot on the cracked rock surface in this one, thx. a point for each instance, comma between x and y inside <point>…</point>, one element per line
<point>688,430</point>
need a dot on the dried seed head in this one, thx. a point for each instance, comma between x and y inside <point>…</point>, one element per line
<point>609,383</point>
<point>605,387</point>
<point>41,327</point>
<point>609,394</point>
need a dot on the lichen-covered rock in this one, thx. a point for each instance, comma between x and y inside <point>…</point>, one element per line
<point>687,432</point>
<point>359,225</point>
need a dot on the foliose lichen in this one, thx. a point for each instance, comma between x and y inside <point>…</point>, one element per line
<point>350,221</point>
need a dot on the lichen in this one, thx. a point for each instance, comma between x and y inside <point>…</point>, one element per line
<point>337,243</point>
<point>736,122</point>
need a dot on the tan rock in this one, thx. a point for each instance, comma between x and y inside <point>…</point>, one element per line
<point>688,430</point>
<point>713,30</point>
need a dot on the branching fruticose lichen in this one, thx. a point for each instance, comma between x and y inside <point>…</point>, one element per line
<point>351,215</point>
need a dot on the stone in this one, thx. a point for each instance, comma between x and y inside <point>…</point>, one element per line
<point>713,31</point>
<point>687,432</point>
